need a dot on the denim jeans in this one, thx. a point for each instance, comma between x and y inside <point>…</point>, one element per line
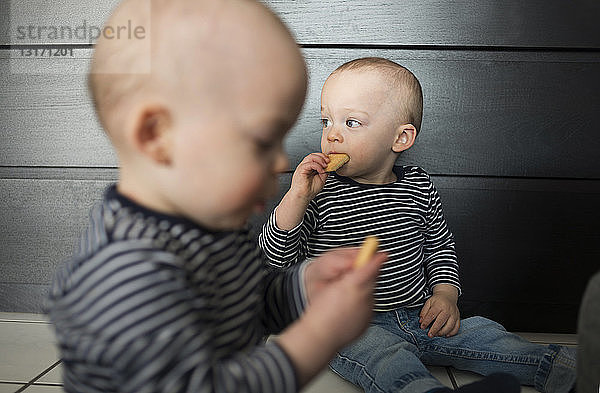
<point>392,354</point>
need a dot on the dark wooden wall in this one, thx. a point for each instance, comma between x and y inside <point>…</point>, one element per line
<point>510,137</point>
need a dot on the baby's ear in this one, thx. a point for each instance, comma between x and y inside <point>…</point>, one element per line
<point>405,137</point>
<point>152,134</point>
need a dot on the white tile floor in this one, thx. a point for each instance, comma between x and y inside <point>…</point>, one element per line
<point>29,359</point>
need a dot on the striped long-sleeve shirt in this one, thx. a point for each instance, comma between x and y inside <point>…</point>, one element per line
<point>153,303</point>
<point>405,215</point>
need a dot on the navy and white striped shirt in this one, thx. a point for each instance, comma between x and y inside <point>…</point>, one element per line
<point>405,215</point>
<point>154,303</point>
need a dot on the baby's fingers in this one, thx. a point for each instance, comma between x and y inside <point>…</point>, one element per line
<point>309,169</point>
<point>428,314</point>
<point>424,312</point>
<point>339,260</point>
<point>367,274</point>
<point>448,328</point>
<point>319,158</point>
<point>439,322</point>
<point>455,329</point>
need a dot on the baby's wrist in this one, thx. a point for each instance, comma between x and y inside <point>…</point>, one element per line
<point>290,211</point>
<point>298,197</point>
<point>307,346</point>
<point>320,334</point>
<point>446,290</point>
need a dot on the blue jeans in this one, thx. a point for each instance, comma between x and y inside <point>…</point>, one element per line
<point>392,354</point>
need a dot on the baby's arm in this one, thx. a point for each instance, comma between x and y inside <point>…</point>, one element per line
<point>338,311</point>
<point>441,265</point>
<point>308,180</point>
<point>283,248</point>
<point>281,236</point>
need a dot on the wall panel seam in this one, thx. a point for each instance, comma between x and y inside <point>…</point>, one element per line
<point>433,47</point>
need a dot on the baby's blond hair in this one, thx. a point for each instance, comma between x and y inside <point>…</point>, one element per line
<point>411,102</point>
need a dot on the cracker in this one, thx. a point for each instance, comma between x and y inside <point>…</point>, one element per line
<point>368,249</point>
<point>336,161</point>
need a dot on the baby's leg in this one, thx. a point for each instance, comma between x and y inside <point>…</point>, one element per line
<point>588,329</point>
<point>484,346</point>
<point>381,361</point>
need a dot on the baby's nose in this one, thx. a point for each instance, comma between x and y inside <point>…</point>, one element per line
<point>282,163</point>
<point>334,135</point>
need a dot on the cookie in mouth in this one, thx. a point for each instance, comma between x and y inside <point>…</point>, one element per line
<point>336,160</point>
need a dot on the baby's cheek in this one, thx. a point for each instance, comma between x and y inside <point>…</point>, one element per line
<point>323,142</point>
<point>358,157</point>
<point>247,189</point>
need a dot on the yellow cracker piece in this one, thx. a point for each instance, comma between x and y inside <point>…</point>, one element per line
<point>336,161</point>
<point>367,250</point>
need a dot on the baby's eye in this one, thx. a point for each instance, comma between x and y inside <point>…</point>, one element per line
<point>352,123</point>
<point>325,123</point>
<point>264,145</point>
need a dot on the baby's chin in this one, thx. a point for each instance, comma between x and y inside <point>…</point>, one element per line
<point>226,223</point>
<point>242,220</point>
<point>344,170</point>
<point>259,208</point>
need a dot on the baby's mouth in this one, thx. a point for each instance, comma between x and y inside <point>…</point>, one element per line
<point>336,161</point>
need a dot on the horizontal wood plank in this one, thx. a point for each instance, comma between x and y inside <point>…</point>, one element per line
<point>486,113</point>
<point>433,22</point>
<point>23,297</point>
<point>522,243</point>
<point>21,14</point>
<point>47,117</point>
<point>511,23</point>
<point>526,247</point>
<point>41,222</point>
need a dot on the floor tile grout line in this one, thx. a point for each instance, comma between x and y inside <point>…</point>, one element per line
<point>552,341</point>
<point>452,379</point>
<point>53,384</point>
<point>46,371</point>
<point>22,321</point>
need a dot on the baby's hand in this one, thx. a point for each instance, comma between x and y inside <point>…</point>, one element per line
<point>441,309</point>
<point>341,296</point>
<point>308,180</point>
<point>309,177</point>
<point>339,310</point>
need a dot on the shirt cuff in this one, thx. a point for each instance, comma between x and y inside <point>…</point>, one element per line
<point>290,232</point>
<point>302,274</point>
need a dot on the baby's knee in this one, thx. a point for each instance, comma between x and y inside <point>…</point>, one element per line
<point>377,343</point>
<point>477,322</point>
